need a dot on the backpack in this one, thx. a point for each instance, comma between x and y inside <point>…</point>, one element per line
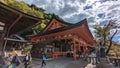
<point>9,65</point>
<point>15,60</point>
<point>30,59</point>
<point>44,58</point>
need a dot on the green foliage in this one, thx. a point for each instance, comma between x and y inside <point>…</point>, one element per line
<point>3,1</point>
<point>43,24</point>
<point>103,35</point>
<point>29,9</point>
<point>99,31</point>
<point>34,11</point>
<point>47,18</point>
<point>27,47</point>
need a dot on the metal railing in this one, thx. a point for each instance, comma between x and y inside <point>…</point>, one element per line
<point>115,61</point>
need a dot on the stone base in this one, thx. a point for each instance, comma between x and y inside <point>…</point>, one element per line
<point>104,60</point>
<point>104,63</point>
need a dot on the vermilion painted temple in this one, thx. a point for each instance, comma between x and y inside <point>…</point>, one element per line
<point>59,36</point>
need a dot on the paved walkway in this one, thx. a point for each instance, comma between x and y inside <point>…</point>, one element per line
<point>62,62</point>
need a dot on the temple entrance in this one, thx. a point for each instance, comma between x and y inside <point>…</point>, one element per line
<point>61,46</point>
<point>39,49</point>
<point>57,48</point>
<point>48,50</point>
<point>52,49</point>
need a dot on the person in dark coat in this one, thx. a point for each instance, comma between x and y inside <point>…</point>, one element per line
<point>15,61</point>
<point>26,60</point>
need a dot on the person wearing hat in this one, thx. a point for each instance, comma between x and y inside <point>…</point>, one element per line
<point>14,52</point>
<point>15,60</point>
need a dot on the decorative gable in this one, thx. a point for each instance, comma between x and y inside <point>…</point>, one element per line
<point>54,24</point>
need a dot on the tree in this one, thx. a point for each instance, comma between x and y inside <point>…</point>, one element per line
<point>3,1</point>
<point>31,10</point>
<point>104,34</point>
<point>28,9</point>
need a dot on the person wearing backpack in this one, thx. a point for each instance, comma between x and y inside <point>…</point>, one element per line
<point>43,60</point>
<point>15,61</point>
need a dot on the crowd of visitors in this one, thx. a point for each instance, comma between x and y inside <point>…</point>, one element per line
<point>13,60</point>
<point>92,56</point>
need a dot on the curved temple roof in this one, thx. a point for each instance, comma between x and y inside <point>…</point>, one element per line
<point>81,29</point>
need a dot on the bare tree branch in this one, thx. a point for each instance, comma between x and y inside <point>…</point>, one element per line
<point>110,45</point>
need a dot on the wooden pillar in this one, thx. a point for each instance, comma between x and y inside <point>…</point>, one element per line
<point>74,50</point>
<point>2,41</point>
<point>13,23</point>
<point>85,49</point>
<point>60,48</point>
<point>53,51</point>
<point>79,46</point>
<point>71,46</point>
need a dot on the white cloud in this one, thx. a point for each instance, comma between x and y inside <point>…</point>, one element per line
<point>69,8</point>
<point>74,10</point>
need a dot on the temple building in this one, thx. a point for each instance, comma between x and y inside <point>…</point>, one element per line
<point>59,37</point>
<point>12,23</point>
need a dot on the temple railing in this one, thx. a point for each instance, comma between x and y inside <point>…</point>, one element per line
<point>115,61</point>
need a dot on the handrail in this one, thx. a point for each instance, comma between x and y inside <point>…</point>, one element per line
<point>115,61</point>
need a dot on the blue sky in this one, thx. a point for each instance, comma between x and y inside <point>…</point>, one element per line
<point>116,38</point>
<point>96,11</point>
